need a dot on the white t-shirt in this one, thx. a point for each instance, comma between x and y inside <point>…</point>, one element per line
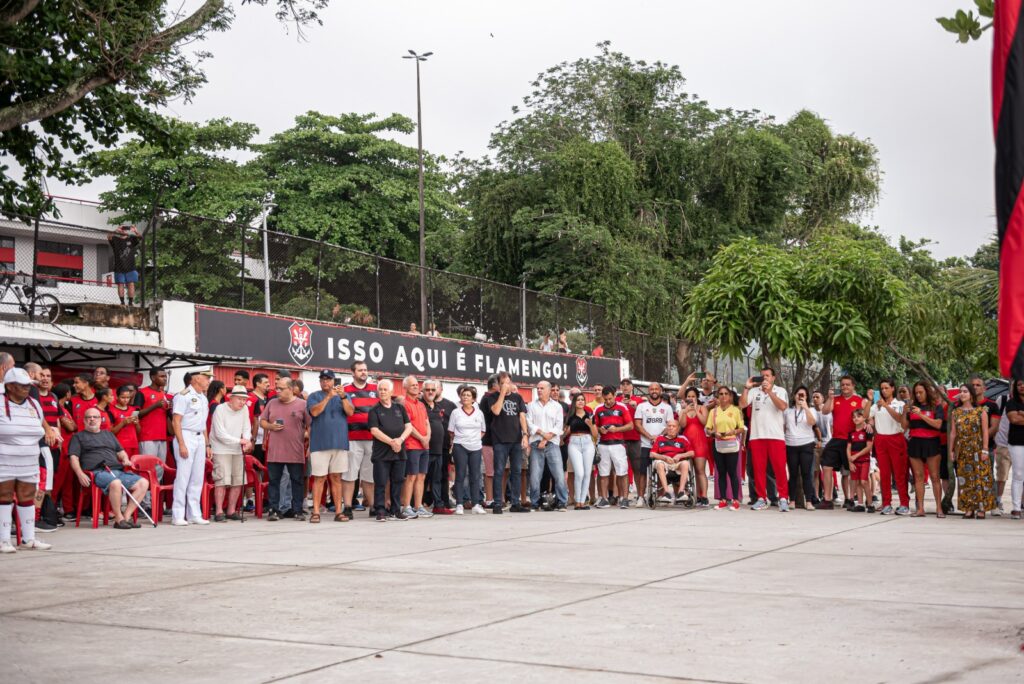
<point>766,420</point>
<point>653,418</point>
<point>466,428</point>
<point>798,432</point>
<point>1002,437</point>
<point>884,423</point>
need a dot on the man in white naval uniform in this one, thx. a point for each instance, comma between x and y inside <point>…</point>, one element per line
<point>191,450</point>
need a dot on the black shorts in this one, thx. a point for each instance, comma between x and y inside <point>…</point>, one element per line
<point>833,455</point>
<point>923,448</point>
<point>642,463</point>
<point>636,457</point>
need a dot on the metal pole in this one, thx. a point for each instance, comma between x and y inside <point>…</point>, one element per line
<point>319,261</point>
<point>266,264</point>
<point>423,246</point>
<point>376,280</point>
<point>156,270</point>
<point>35,264</point>
<point>522,314</point>
<point>241,278</point>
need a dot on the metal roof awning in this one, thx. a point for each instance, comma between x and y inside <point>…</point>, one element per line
<point>72,351</point>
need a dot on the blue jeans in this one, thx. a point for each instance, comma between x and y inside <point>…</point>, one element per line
<point>551,455</point>
<point>513,454</point>
<point>104,479</point>
<point>471,461</point>
<point>280,500</point>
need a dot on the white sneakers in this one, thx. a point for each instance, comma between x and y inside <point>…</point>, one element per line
<point>459,510</point>
<point>30,545</point>
<point>199,521</point>
<point>479,510</point>
<point>7,547</point>
<point>180,523</point>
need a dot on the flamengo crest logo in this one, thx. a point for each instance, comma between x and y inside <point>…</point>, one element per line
<point>301,348</point>
<point>581,371</point>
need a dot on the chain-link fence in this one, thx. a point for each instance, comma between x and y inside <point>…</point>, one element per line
<point>220,263</point>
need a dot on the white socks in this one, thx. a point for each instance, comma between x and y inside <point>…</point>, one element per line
<point>27,518</point>
<point>6,511</point>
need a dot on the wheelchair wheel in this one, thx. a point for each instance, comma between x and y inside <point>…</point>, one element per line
<point>651,495</point>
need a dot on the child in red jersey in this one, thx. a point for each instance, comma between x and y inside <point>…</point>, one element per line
<point>858,453</point>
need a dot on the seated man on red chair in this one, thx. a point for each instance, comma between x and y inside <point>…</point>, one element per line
<point>671,451</point>
<point>96,450</point>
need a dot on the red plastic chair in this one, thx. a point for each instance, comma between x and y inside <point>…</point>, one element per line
<point>160,493</point>
<point>100,502</point>
<point>256,476</point>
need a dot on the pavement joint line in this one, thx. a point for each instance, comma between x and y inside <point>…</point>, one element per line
<point>566,604</point>
<point>185,632</point>
<point>574,668</point>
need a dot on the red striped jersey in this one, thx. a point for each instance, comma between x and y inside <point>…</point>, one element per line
<point>363,399</point>
<point>674,446</point>
<point>618,414</point>
<point>632,435</point>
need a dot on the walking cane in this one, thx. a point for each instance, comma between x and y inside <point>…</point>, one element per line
<point>138,506</point>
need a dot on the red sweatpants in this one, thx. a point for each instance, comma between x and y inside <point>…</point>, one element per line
<point>761,452</point>
<point>891,453</point>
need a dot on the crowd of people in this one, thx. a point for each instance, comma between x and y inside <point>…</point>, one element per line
<point>359,446</point>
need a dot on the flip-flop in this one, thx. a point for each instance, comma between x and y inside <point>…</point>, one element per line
<point>917,514</point>
<point>940,515</point>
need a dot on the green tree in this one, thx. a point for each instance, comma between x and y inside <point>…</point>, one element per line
<point>81,73</point>
<point>968,26</point>
<point>612,163</point>
<point>341,179</point>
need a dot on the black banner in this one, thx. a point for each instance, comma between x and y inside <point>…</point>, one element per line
<point>276,340</point>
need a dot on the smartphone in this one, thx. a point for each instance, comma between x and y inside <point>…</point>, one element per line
<point>279,421</point>
<point>701,375</point>
<point>337,382</point>
<point>757,379</point>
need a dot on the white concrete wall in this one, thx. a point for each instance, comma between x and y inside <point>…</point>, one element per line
<point>79,333</point>
<point>178,325</point>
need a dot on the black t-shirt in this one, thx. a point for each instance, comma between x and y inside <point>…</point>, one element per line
<point>438,418</point>
<point>391,421</point>
<point>123,250</point>
<point>504,428</point>
<point>577,425</point>
<point>1015,434</point>
<point>96,449</point>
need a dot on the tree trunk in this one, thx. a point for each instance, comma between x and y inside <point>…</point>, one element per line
<point>15,12</point>
<point>684,358</point>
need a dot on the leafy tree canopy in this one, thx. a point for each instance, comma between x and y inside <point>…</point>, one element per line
<point>78,74</point>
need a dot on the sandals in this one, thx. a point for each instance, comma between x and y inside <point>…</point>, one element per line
<point>917,514</point>
<point>314,517</point>
<point>981,515</point>
<point>341,517</point>
<point>968,516</point>
<point>940,514</point>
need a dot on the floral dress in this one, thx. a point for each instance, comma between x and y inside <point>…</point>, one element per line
<point>973,473</point>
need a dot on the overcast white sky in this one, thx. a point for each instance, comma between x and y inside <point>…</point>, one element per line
<point>878,69</point>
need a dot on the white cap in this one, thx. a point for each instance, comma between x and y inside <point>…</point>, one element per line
<point>18,376</point>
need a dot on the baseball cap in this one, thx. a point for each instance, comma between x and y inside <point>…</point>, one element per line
<point>207,372</point>
<point>240,391</point>
<point>18,376</point>
<point>326,374</point>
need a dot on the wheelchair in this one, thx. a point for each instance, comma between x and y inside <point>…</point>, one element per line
<point>687,496</point>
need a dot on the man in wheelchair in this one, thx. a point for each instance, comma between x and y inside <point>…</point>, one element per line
<point>671,454</point>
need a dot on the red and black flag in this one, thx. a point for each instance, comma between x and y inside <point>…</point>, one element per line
<point>1008,115</point>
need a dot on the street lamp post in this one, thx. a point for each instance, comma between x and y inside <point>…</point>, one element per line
<point>419,134</point>
<point>267,206</point>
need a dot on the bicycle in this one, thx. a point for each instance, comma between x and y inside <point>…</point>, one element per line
<point>38,307</point>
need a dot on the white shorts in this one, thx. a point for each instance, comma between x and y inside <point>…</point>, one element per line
<point>612,454</point>
<point>669,467</point>
<point>329,461</point>
<point>27,472</point>
<point>359,465</point>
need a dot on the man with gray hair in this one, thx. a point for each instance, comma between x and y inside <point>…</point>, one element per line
<point>417,447</point>
<point>286,422</point>
<point>545,421</point>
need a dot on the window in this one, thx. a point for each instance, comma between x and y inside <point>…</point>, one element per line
<point>6,254</point>
<point>60,259</point>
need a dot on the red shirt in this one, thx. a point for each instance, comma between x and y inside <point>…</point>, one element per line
<point>363,399</point>
<point>613,417</point>
<point>418,417</point>
<point>78,409</point>
<point>51,411</point>
<point>670,447</point>
<point>153,425</point>
<point>921,429</point>
<point>858,442</point>
<point>842,415</point>
<point>632,435</point>
<point>128,437</point>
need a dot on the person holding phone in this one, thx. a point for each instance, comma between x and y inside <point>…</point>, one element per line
<point>286,422</point>
<point>968,442</point>
<point>833,455</point>
<point>888,421</point>
<point>329,409</point>
<point>725,426</point>
<point>693,416</point>
<point>801,419</point>
<point>925,424</point>
<point>768,403</point>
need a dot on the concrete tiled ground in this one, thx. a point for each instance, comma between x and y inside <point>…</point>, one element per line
<point>596,596</point>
